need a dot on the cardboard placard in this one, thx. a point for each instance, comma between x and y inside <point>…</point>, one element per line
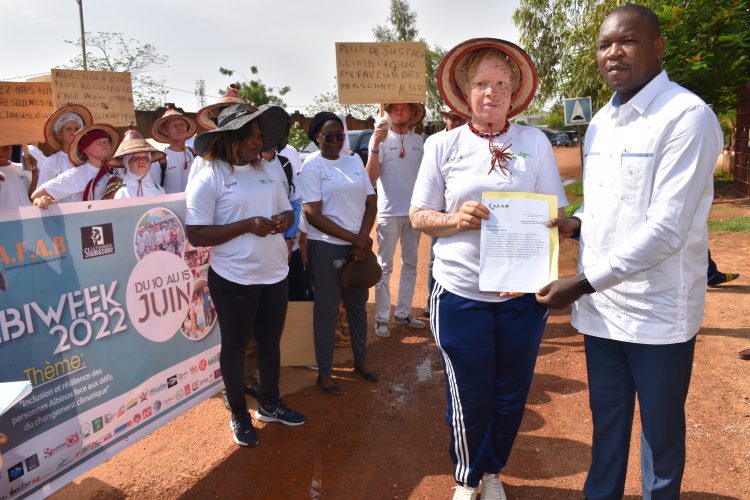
<point>380,72</point>
<point>108,95</point>
<point>24,109</point>
<point>297,341</point>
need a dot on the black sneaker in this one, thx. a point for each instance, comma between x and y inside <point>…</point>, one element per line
<point>721,278</point>
<point>280,413</point>
<point>243,431</point>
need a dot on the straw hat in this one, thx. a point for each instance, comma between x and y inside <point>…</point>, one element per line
<point>50,137</point>
<point>362,275</point>
<point>160,136</point>
<point>133,142</point>
<point>208,115</point>
<point>452,74</point>
<point>273,121</point>
<point>114,141</point>
<point>417,108</point>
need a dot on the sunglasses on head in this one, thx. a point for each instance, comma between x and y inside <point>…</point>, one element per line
<point>330,136</point>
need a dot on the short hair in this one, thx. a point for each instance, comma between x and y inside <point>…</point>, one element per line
<point>647,14</point>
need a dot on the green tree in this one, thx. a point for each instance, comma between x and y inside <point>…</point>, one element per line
<point>329,101</point>
<point>255,91</point>
<point>112,52</point>
<point>708,46</point>
<point>401,26</point>
<point>297,137</point>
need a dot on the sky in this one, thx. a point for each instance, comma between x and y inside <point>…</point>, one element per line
<point>290,41</point>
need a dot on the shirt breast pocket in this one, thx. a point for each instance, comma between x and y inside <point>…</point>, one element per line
<point>635,178</point>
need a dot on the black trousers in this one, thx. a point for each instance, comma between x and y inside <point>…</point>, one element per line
<point>242,311</point>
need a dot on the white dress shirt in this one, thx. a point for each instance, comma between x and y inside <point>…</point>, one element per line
<point>648,187</point>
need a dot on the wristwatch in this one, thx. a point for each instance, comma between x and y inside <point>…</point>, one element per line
<point>583,282</point>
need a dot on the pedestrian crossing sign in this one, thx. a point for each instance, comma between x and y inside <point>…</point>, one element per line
<point>577,110</point>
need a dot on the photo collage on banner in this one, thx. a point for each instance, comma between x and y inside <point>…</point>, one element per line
<point>104,308</point>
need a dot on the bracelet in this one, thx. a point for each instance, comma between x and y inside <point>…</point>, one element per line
<point>374,151</point>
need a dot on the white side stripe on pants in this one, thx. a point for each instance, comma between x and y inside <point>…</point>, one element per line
<point>459,429</point>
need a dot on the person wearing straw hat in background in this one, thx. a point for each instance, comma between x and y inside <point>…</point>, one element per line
<point>340,207</point>
<point>89,150</point>
<point>135,154</point>
<point>395,156</point>
<point>59,130</point>
<point>172,172</point>
<point>488,341</point>
<point>241,209</point>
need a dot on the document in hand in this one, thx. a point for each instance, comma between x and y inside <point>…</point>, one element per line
<point>518,253</point>
<point>13,392</point>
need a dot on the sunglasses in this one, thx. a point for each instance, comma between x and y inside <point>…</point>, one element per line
<point>330,136</point>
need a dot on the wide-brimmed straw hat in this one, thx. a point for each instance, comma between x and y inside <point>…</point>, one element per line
<point>452,74</point>
<point>50,137</point>
<point>273,121</point>
<point>208,115</point>
<point>114,141</point>
<point>417,115</point>
<point>362,275</point>
<point>132,143</point>
<point>160,136</point>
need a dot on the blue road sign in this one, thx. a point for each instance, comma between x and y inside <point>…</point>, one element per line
<point>577,110</point>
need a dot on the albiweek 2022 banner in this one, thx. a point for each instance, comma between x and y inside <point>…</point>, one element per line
<point>104,307</point>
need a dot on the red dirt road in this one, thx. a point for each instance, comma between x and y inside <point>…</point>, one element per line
<point>389,440</point>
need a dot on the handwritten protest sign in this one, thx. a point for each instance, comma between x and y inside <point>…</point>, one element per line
<point>108,95</point>
<point>24,108</point>
<point>380,72</point>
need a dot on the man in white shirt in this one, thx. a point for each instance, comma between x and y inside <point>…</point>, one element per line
<point>395,156</point>
<point>648,186</point>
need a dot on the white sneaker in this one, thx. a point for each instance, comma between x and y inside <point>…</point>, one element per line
<point>381,329</point>
<point>465,493</point>
<point>409,321</point>
<point>492,488</point>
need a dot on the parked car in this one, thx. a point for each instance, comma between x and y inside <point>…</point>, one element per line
<point>561,139</point>
<point>358,142</point>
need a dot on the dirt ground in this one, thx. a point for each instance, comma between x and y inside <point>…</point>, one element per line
<point>389,440</point>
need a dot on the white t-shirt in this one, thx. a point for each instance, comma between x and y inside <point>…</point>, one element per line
<point>397,175</point>
<point>177,173</point>
<point>71,183</point>
<point>195,167</point>
<point>52,166</point>
<point>130,183</point>
<point>221,195</point>
<point>343,186</point>
<point>293,155</point>
<point>275,164</point>
<point>454,170</point>
<point>14,186</point>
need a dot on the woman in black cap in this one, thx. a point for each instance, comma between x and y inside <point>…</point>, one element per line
<point>241,209</point>
<point>340,207</point>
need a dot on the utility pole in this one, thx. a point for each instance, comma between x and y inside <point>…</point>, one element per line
<point>83,33</point>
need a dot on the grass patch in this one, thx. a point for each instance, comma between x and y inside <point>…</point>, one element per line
<point>732,225</point>
<point>574,189</point>
<point>571,209</point>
